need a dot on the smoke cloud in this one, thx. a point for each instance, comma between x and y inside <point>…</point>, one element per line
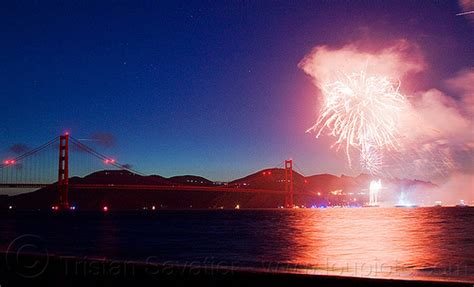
<point>18,149</point>
<point>324,64</point>
<point>458,187</point>
<point>107,140</point>
<point>467,6</point>
<point>438,139</point>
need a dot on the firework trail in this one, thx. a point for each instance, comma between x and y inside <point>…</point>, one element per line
<point>371,160</point>
<point>363,113</point>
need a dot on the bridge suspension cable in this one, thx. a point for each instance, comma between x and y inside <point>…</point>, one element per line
<point>38,168</point>
<point>28,153</point>
<point>102,157</point>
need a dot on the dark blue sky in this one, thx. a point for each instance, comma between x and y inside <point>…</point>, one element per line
<point>192,87</point>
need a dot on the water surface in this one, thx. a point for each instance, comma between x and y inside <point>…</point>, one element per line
<point>403,243</point>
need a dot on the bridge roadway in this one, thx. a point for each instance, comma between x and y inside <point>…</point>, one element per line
<point>222,188</point>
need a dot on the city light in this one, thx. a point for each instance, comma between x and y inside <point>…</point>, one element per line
<point>403,201</point>
<point>105,208</point>
<point>374,188</point>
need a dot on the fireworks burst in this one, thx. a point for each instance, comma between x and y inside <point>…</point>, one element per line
<point>362,111</point>
<point>371,160</point>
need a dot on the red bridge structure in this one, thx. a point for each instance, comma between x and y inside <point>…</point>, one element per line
<point>34,169</point>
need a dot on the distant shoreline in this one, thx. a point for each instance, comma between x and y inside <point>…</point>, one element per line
<point>263,189</point>
<point>202,209</point>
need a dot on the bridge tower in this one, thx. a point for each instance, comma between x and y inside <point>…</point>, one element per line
<point>63,171</point>
<point>289,183</point>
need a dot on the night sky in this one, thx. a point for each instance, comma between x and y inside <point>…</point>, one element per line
<point>189,87</point>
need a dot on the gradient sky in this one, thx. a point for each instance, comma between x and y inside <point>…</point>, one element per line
<point>199,88</point>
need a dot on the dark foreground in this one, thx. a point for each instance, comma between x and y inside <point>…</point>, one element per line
<point>40,270</point>
<point>433,244</point>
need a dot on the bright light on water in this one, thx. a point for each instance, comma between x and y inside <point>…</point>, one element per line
<point>374,188</point>
<point>404,201</point>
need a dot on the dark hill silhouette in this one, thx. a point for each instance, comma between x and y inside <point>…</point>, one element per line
<point>319,189</point>
<point>120,177</point>
<point>191,180</point>
<point>272,179</point>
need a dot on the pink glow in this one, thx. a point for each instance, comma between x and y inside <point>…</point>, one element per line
<point>433,136</point>
<point>109,161</point>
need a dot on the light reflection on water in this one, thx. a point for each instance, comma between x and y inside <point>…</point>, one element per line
<point>436,243</point>
<point>377,242</point>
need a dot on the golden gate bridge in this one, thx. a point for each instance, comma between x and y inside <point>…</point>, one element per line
<point>54,163</point>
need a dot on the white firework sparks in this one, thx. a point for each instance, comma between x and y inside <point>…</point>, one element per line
<point>371,160</point>
<point>362,111</point>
